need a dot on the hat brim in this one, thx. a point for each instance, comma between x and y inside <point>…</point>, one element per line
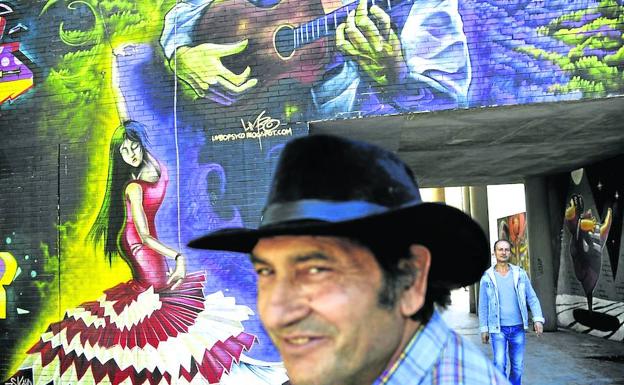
<point>458,245</point>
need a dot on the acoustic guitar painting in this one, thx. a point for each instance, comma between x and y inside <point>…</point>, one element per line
<point>288,40</point>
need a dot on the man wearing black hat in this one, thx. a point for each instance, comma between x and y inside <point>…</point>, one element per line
<point>350,264</point>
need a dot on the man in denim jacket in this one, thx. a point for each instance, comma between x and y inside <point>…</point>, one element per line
<point>505,291</point>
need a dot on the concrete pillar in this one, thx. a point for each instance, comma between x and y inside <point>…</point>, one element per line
<point>473,290</point>
<point>466,200</point>
<point>438,195</point>
<point>540,248</point>
<point>479,207</point>
<point>478,210</point>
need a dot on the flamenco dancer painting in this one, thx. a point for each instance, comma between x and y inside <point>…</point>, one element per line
<point>157,328</point>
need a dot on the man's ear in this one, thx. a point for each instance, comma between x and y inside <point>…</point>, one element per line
<point>413,297</point>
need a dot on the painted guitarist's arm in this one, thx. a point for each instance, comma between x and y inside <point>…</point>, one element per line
<point>200,65</point>
<point>179,24</point>
<point>201,68</point>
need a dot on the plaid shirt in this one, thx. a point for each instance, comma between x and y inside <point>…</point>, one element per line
<point>437,355</point>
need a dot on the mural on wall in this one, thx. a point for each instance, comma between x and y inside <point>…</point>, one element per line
<point>85,81</point>
<point>591,282</point>
<point>15,76</point>
<point>513,228</point>
<point>415,57</point>
<point>592,50</point>
<point>220,87</point>
<point>8,272</point>
<point>345,61</point>
<point>22,254</point>
<point>158,325</point>
<point>530,51</point>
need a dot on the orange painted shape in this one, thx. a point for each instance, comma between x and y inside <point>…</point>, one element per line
<point>10,269</point>
<point>517,227</point>
<point>13,89</point>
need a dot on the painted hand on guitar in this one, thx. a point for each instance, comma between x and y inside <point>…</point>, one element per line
<point>373,44</point>
<point>202,69</point>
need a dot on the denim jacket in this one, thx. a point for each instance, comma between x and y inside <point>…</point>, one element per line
<point>489,310</point>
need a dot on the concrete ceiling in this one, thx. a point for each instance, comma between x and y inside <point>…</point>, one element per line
<point>494,145</point>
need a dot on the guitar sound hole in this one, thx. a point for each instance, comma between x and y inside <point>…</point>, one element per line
<point>284,41</point>
<point>265,3</point>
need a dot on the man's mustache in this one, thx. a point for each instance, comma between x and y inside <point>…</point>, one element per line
<point>308,326</point>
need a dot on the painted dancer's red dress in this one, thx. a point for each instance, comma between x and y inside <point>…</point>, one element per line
<point>143,330</point>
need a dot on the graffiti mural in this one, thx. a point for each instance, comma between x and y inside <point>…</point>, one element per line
<point>416,56</point>
<point>219,87</point>
<point>346,61</point>
<point>159,324</point>
<point>590,278</point>
<point>7,275</point>
<point>15,76</point>
<point>514,229</point>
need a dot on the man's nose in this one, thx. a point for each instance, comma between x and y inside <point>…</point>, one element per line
<point>282,304</point>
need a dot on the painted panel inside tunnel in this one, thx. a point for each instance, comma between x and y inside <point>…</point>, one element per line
<point>514,229</point>
<point>218,87</point>
<point>590,282</point>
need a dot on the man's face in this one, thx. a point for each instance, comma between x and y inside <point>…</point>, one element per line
<point>318,299</point>
<point>502,251</point>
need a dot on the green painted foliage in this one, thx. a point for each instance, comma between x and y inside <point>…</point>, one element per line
<point>80,85</point>
<point>595,60</point>
<point>589,88</point>
<point>615,59</point>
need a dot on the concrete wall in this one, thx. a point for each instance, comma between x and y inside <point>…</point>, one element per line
<point>219,103</point>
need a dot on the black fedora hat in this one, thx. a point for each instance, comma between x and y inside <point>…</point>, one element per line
<point>328,185</point>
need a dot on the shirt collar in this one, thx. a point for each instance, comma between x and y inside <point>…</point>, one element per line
<point>420,354</point>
